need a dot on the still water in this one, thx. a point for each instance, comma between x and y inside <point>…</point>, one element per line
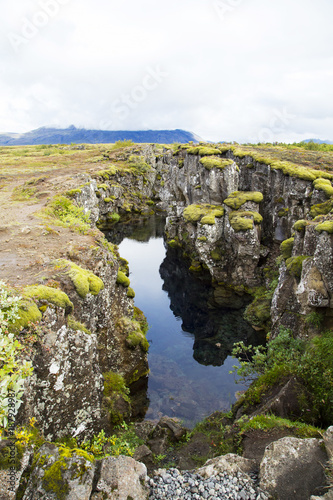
<point>186,338</point>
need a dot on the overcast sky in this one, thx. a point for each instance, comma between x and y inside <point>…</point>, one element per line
<point>243,70</point>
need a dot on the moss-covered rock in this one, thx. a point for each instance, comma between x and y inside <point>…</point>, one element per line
<point>258,313</point>
<point>324,185</point>
<point>325,226</point>
<point>236,199</point>
<point>122,279</point>
<point>28,312</point>
<point>52,295</point>
<point>203,151</point>
<point>300,225</point>
<point>286,248</point>
<point>295,264</point>
<point>130,293</point>
<point>204,213</point>
<point>321,208</point>
<point>83,280</point>
<point>210,162</point>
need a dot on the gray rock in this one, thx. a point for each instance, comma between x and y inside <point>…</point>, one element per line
<point>293,468</point>
<point>122,477</point>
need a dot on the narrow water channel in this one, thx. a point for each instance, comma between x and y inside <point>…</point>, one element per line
<point>186,339</point>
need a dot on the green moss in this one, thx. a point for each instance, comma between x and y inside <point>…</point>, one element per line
<point>130,293</point>
<point>204,213</point>
<point>202,238</point>
<point>105,187</point>
<point>28,312</point>
<point>203,151</point>
<point>173,243</point>
<point>295,264</point>
<point>321,208</point>
<point>286,248</point>
<point>106,174</point>
<point>195,267</point>
<point>53,480</point>
<point>114,382</point>
<point>135,333</point>
<point>122,279</point>
<point>114,217</point>
<point>107,200</point>
<point>210,162</point>
<point>180,163</point>
<point>216,254</point>
<point>324,185</point>
<point>300,225</point>
<point>283,212</point>
<point>72,192</point>
<point>83,280</point>
<point>270,422</point>
<point>325,226</point>
<point>258,313</point>
<point>52,295</point>
<point>66,214</point>
<point>236,199</point>
<point>77,326</point>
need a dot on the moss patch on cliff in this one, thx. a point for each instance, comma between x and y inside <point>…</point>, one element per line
<point>64,212</point>
<point>204,213</point>
<point>325,226</point>
<point>321,208</point>
<point>295,264</point>
<point>324,185</point>
<point>243,220</point>
<point>300,225</point>
<point>203,151</point>
<point>210,162</point>
<point>134,331</point>
<point>77,326</point>
<point>122,279</point>
<point>286,248</point>
<point>236,199</point>
<point>28,312</point>
<point>83,280</point>
<point>52,295</point>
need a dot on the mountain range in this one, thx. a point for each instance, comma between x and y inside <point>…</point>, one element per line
<point>73,135</point>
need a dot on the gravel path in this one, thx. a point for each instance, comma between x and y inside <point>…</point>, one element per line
<point>173,485</point>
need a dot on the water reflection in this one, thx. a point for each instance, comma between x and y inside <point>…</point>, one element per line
<point>191,339</point>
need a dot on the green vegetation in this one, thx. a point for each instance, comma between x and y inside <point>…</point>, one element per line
<point>77,326</point>
<point>236,199</point>
<point>295,264</point>
<point>52,295</point>
<point>135,334</point>
<point>321,208</point>
<point>270,422</point>
<point>310,362</point>
<point>286,248</point>
<point>204,213</point>
<point>243,220</point>
<point>203,151</point>
<point>130,293</point>
<point>300,225</point>
<point>83,280</point>
<point>325,226</point>
<point>63,212</point>
<point>210,162</point>
<point>72,192</point>
<point>324,185</point>
<point>13,371</point>
<point>28,313</point>
<point>122,279</point>
<point>123,144</point>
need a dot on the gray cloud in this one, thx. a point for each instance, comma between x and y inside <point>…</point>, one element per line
<point>225,69</point>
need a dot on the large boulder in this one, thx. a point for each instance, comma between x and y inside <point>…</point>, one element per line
<point>121,478</point>
<point>293,468</point>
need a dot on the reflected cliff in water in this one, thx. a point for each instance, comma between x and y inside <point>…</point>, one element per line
<point>192,298</point>
<point>192,327</point>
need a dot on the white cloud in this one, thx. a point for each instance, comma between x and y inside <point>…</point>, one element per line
<point>233,66</point>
